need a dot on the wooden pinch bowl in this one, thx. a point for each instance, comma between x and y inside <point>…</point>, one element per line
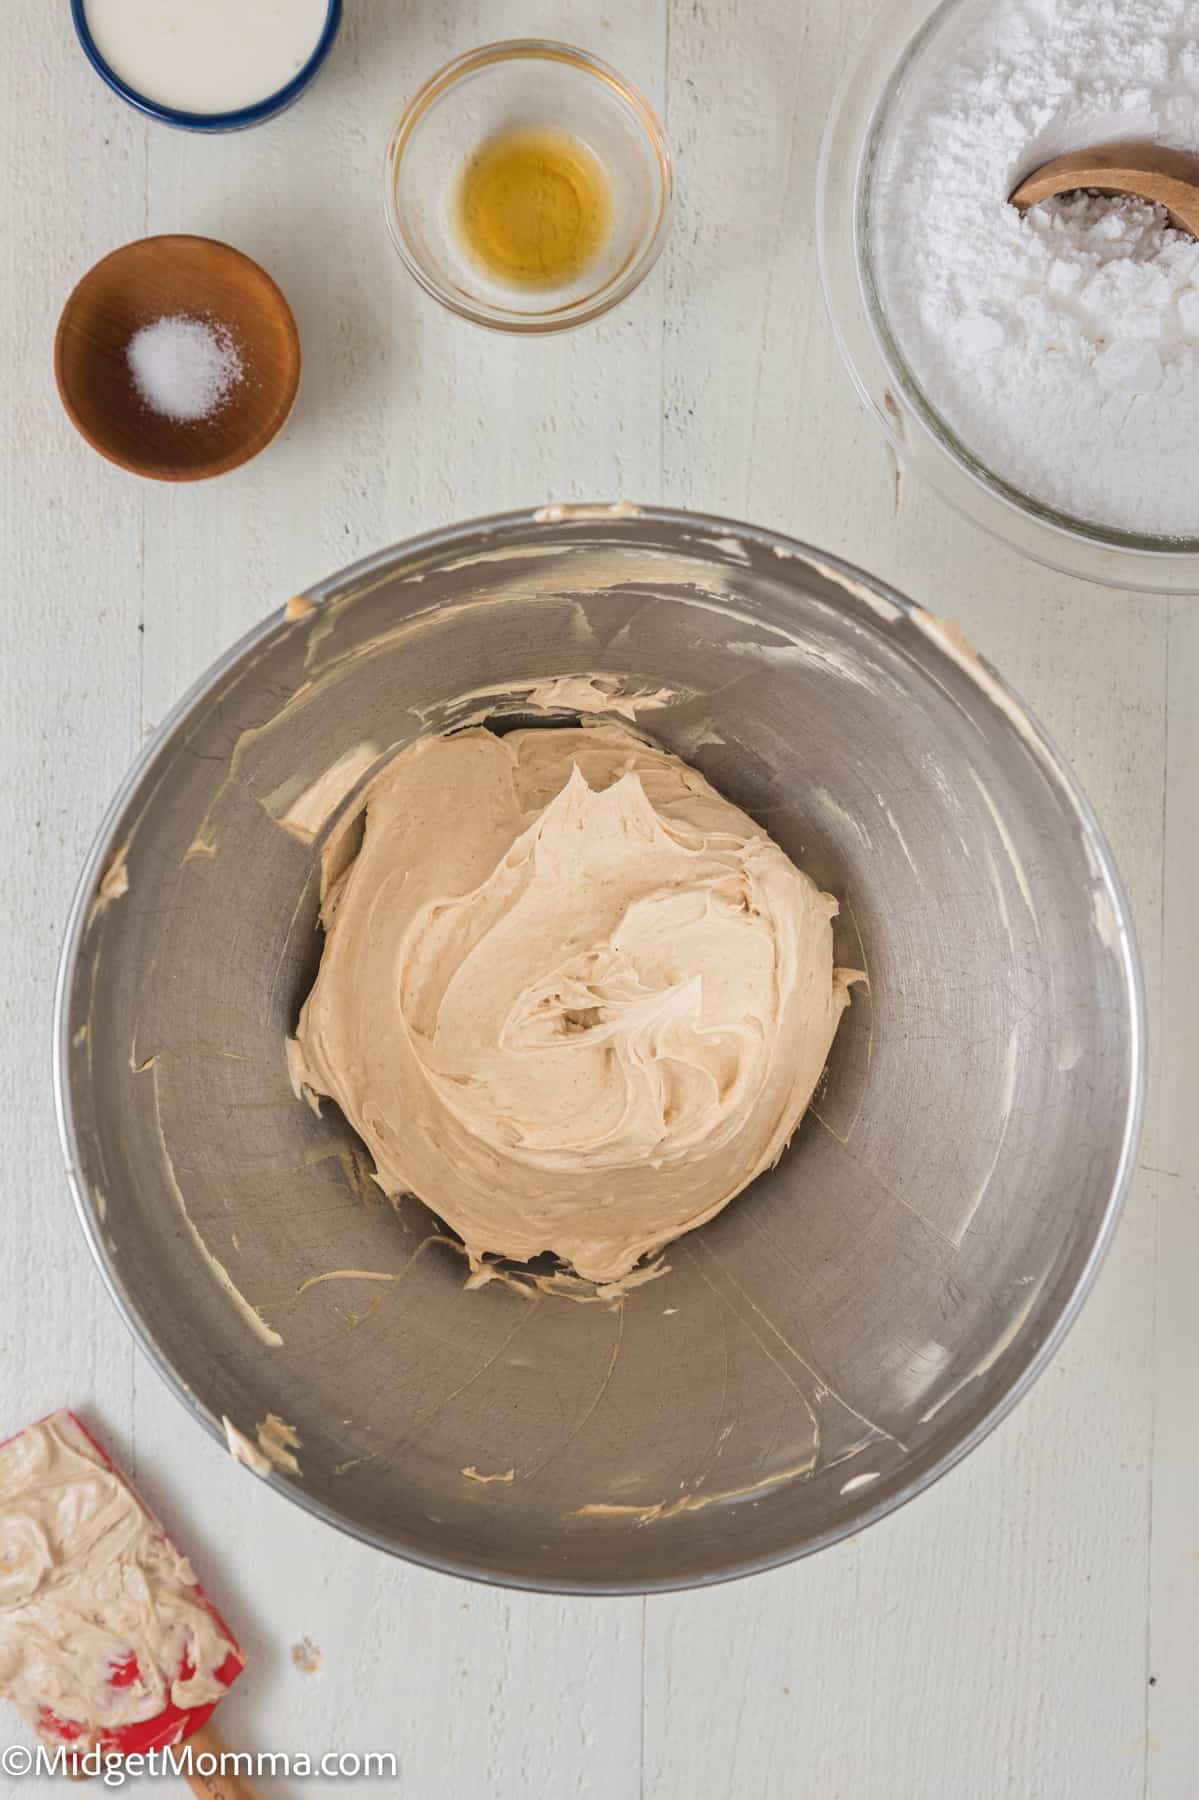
<point>162,276</point>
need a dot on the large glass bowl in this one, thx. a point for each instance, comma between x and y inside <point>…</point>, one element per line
<point>900,49</point>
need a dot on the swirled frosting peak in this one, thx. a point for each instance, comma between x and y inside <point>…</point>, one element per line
<point>570,996</point>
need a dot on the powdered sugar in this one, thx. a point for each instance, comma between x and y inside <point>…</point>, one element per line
<point>1061,347</point>
<point>184,367</point>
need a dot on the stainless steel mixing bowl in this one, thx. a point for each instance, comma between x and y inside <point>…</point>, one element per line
<point>845,1330</point>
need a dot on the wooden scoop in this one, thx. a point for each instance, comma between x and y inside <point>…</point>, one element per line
<point>1164,177</point>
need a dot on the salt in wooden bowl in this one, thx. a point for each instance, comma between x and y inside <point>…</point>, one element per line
<point>167,276</point>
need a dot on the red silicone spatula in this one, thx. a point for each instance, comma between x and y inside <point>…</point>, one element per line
<point>107,1640</point>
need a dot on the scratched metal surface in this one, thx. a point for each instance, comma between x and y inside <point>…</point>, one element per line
<point>818,1350</point>
<point>999,1637</point>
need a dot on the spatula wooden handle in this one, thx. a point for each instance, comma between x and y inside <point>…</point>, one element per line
<point>209,1742</point>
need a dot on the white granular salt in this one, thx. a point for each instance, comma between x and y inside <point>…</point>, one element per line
<point>1062,347</point>
<point>184,367</point>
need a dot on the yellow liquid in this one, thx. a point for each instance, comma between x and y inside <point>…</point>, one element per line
<point>534,207</point>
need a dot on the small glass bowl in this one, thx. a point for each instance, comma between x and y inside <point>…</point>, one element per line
<point>898,48</point>
<point>526,83</point>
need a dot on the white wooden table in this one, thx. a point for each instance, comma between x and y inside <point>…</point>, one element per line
<point>1030,1628</point>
